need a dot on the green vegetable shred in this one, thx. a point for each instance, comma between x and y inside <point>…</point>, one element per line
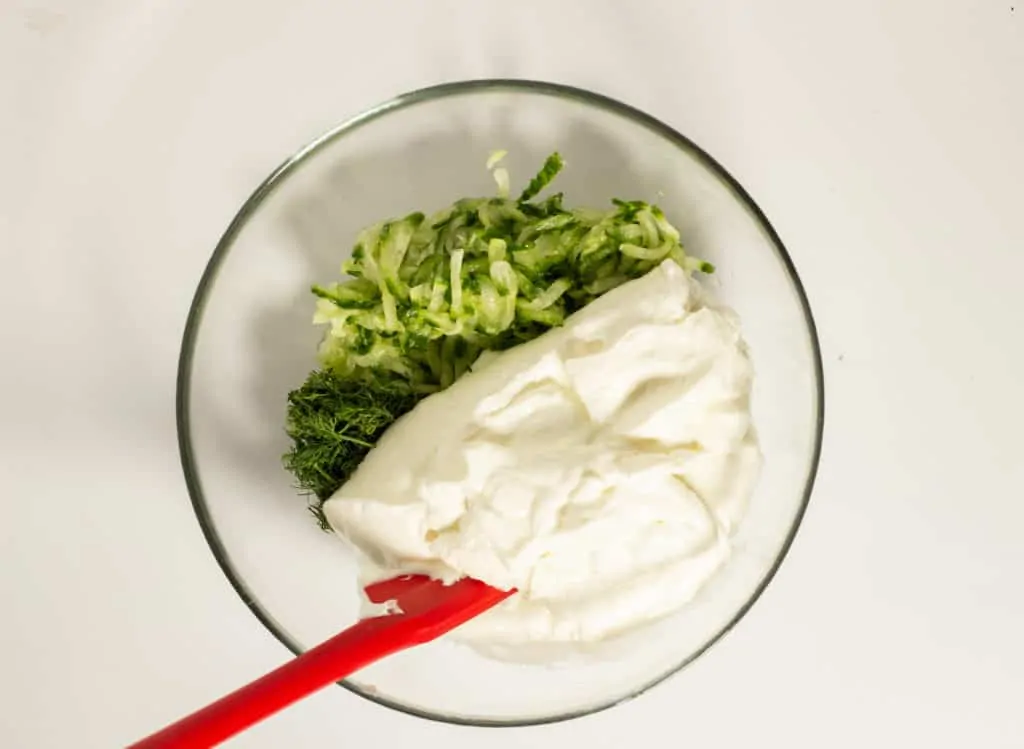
<point>426,295</point>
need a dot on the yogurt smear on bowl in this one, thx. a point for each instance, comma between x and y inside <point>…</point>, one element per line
<point>599,469</point>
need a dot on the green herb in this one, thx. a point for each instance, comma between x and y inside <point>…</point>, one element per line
<point>333,423</point>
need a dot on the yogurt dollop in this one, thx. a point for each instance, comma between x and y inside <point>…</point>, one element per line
<point>599,470</point>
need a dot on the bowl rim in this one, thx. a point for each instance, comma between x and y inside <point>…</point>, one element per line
<point>304,154</point>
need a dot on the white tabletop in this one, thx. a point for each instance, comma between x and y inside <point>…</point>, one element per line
<point>885,141</point>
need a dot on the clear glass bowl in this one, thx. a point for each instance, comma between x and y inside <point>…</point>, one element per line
<point>249,340</point>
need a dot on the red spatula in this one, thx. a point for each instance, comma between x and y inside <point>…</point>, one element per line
<point>426,609</point>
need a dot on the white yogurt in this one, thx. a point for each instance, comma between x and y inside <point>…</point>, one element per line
<point>599,470</point>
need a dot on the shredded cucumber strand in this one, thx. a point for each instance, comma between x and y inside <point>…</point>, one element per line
<point>456,276</point>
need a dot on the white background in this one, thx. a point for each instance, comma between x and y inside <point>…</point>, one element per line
<point>883,138</point>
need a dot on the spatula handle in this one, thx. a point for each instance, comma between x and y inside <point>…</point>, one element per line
<point>429,609</point>
<point>325,664</point>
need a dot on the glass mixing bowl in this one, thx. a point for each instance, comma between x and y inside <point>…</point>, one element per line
<point>249,340</point>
